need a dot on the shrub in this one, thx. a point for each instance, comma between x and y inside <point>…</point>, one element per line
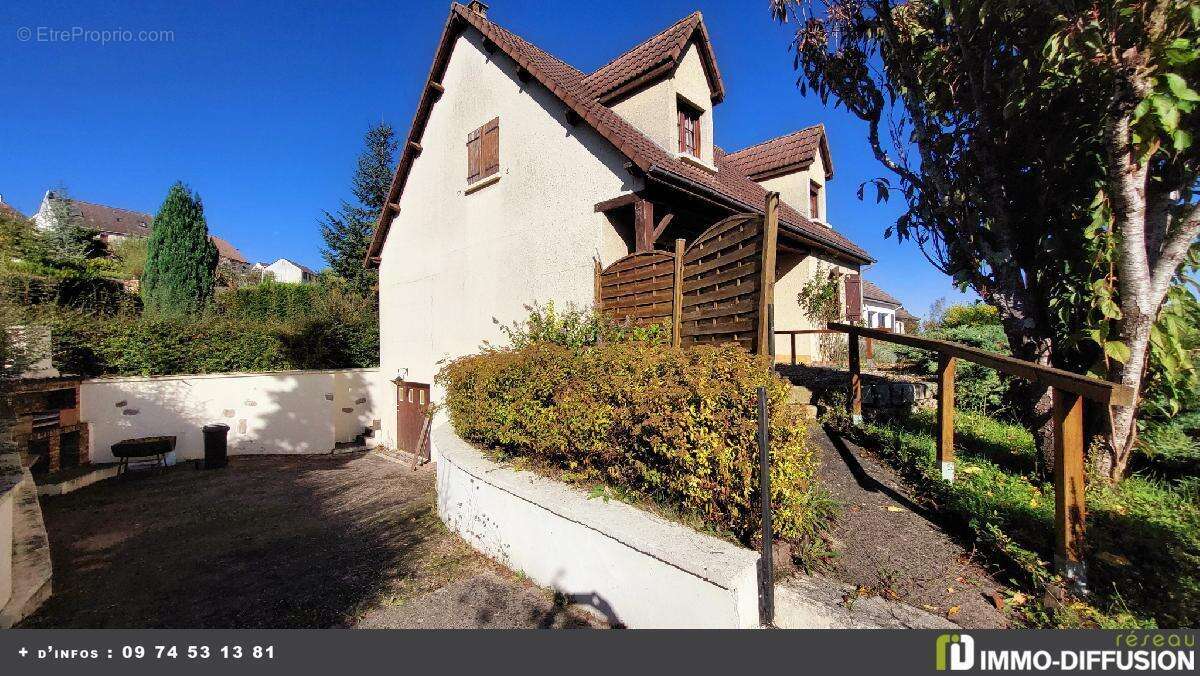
<point>976,388</point>
<point>677,426</point>
<point>577,328</point>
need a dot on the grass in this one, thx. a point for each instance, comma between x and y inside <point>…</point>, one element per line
<point>1143,534</point>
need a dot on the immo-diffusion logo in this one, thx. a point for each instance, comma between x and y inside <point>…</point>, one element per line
<point>1152,652</point>
<point>957,650</point>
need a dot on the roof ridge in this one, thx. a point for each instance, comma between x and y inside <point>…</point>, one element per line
<point>777,138</point>
<point>693,15</point>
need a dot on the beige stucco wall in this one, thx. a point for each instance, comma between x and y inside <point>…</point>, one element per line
<point>654,112</point>
<point>793,188</point>
<point>792,272</point>
<point>282,412</point>
<point>455,261</point>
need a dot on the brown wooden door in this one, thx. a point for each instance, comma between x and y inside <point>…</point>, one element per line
<point>412,401</point>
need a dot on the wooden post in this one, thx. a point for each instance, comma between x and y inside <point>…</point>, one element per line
<point>598,301</point>
<point>767,556</point>
<point>854,403</point>
<point>643,225</point>
<point>793,349</point>
<point>677,296</point>
<point>870,348</point>
<point>766,285</point>
<point>945,419</point>
<point>1069,513</point>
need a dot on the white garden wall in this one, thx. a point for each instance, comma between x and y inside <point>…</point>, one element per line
<point>267,413</point>
<point>637,569</point>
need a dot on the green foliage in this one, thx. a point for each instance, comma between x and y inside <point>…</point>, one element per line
<point>67,238</point>
<point>1143,535</point>
<point>820,301</point>
<point>577,328</point>
<point>970,314</point>
<point>348,233</point>
<point>272,327</point>
<point>181,260</point>
<point>976,388</point>
<point>130,256</point>
<point>675,426</point>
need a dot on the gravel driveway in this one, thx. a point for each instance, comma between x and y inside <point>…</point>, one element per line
<point>276,541</point>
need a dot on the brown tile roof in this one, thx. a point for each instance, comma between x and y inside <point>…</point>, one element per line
<point>727,185</point>
<point>872,291</point>
<point>653,57</point>
<point>784,154</point>
<point>135,224</point>
<point>227,250</point>
<point>8,210</point>
<point>112,219</point>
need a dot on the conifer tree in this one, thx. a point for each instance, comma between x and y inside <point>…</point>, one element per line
<point>348,233</point>
<point>181,260</point>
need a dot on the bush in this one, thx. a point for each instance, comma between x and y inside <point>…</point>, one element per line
<point>676,426</point>
<point>976,388</point>
<point>578,328</point>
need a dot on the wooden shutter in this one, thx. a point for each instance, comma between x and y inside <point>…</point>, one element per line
<point>682,130</point>
<point>695,149</point>
<point>473,164</point>
<point>853,298</point>
<point>490,152</point>
<point>814,200</point>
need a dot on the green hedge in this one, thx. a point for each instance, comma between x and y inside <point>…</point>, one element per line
<point>673,425</point>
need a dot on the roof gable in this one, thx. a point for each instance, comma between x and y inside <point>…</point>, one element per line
<point>728,185</point>
<point>653,58</point>
<point>870,290</point>
<point>784,154</point>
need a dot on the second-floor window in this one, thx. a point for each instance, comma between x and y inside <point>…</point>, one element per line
<point>689,129</point>
<point>814,200</point>
<point>483,151</point>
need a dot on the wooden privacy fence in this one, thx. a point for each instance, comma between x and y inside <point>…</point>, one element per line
<point>1069,390</point>
<point>716,290</point>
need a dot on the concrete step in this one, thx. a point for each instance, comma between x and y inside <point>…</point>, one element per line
<point>800,395</point>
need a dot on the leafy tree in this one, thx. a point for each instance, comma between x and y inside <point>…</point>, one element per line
<point>347,234</point>
<point>69,241</point>
<point>181,259</point>
<point>1045,152</point>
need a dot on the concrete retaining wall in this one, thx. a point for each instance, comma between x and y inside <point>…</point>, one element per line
<point>281,412</point>
<point>637,569</point>
<point>6,546</point>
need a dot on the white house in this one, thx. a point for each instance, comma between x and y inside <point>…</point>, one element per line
<point>287,272</point>
<point>520,172</point>
<point>882,310</point>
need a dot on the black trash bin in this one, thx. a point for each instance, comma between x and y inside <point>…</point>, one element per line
<point>216,449</point>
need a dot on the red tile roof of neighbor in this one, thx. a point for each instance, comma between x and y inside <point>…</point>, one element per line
<point>8,210</point>
<point>872,291</point>
<point>136,224</point>
<point>728,185</point>
<point>784,154</point>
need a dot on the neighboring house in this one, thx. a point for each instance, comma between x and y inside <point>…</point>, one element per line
<point>882,310</point>
<point>114,224</point>
<point>520,172</point>
<point>287,272</point>
<point>7,209</point>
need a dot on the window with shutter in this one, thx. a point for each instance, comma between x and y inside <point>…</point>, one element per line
<point>814,200</point>
<point>483,151</point>
<point>853,298</point>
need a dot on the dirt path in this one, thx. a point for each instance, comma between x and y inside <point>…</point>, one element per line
<point>889,545</point>
<point>276,541</point>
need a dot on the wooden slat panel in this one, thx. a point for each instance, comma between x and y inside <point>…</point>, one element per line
<point>740,235</point>
<point>704,243</point>
<point>732,257</point>
<point>747,270</point>
<point>722,327</point>
<point>713,311</point>
<point>637,260</point>
<point>639,287</point>
<point>724,293</point>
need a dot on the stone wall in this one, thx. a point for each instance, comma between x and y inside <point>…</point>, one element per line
<point>884,392</point>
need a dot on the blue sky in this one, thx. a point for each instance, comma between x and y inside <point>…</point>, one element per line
<point>261,106</point>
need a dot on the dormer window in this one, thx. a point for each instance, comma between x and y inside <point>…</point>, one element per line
<point>814,200</point>
<point>689,129</point>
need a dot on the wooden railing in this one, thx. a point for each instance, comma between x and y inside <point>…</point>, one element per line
<point>1069,391</point>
